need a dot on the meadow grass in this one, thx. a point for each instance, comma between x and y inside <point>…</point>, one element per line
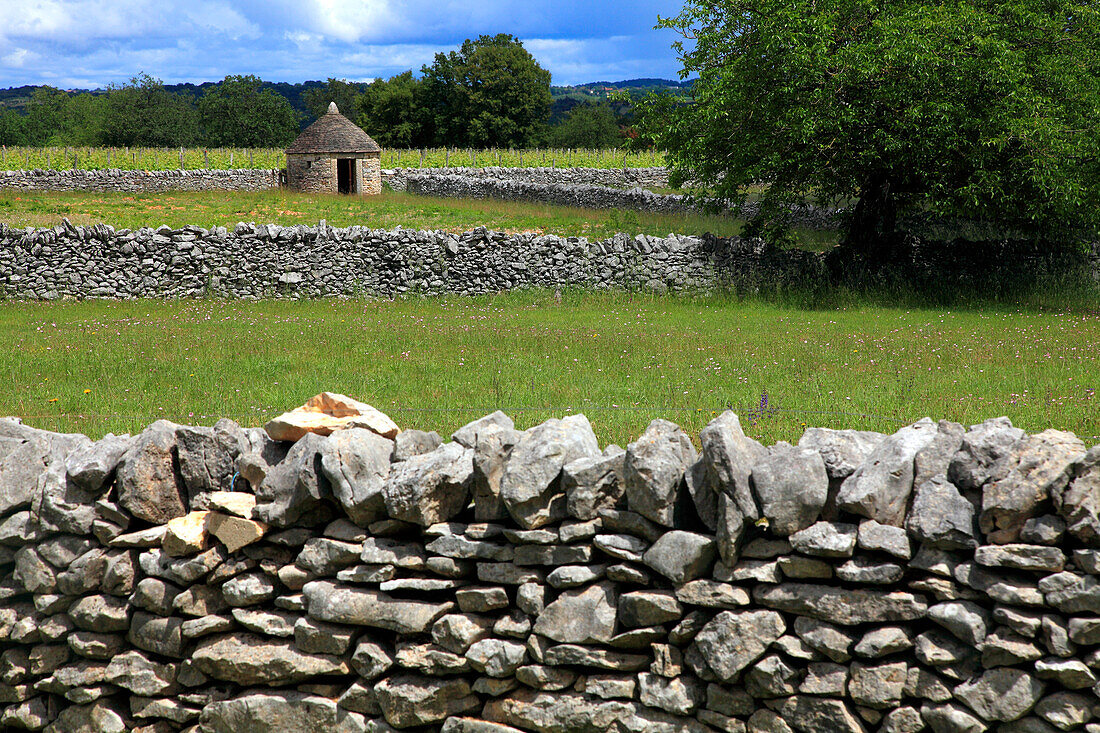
<point>621,359</point>
<point>386,211</point>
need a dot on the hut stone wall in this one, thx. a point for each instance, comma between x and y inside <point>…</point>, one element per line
<point>316,173</point>
<point>311,173</point>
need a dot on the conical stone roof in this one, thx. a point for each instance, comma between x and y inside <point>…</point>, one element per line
<point>333,133</point>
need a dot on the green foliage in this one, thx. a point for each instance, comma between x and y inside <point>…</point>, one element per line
<point>489,93</point>
<point>13,128</point>
<point>970,108</point>
<point>345,93</point>
<point>393,112</point>
<point>588,126</point>
<point>144,113</point>
<point>238,112</point>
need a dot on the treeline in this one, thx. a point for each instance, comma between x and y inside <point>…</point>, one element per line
<point>490,93</point>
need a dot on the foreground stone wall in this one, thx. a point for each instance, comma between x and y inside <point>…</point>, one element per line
<point>141,181</point>
<point>217,580</point>
<point>270,261</point>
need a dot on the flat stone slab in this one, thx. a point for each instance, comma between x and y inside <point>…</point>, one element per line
<point>327,601</point>
<point>841,605</point>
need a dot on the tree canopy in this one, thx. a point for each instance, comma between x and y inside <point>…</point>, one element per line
<point>144,113</point>
<point>392,112</point>
<point>969,108</point>
<point>489,93</point>
<point>238,112</point>
<point>345,93</point>
<point>588,126</point>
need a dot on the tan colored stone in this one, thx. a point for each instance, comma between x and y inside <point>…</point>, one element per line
<point>186,535</point>
<point>326,413</point>
<point>237,503</point>
<point>235,532</point>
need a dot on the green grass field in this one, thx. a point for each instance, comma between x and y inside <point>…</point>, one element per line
<point>622,360</point>
<point>387,211</point>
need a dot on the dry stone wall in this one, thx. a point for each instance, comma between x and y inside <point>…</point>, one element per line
<point>592,196</point>
<point>141,181</point>
<point>398,178</point>
<point>941,578</point>
<point>252,261</point>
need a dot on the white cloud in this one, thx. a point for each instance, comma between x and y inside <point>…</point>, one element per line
<point>16,59</point>
<point>352,20</point>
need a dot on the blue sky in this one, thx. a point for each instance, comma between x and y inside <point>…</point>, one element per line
<point>92,43</point>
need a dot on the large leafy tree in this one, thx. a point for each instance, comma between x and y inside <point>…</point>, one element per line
<point>489,93</point>
<point>239,112</point>
<point>588,126</point>
<point>345,93</point>
<point>984,110</point>
<point>144,113</point>
<point>392,111</point>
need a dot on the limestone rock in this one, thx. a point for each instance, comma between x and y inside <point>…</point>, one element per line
<point>208,458</point>
<point>645,608</point>
<point>843,451</point>
<point>681,556</point>
<point>654,471</point>
<point>327,601</point>
<point>826,539</point>
<point>966,620</point>
<point>248,659</point>
<point>941,517</point>
<point>430,488</point>
<point>580,616</point>
<point>678,695</point>
<point>840,605</point>
<point>356,461</point>
<point>292,490</point>
<point>237,503</point>
<point>982,448</point>
<point>791,487</point>
<point>149,486</point>
<point>530,485</point>
<point>327,412</point>
<point>494,445</point>
<point>234,532</point>
<point>467,436</point>
<point>594,483</point>
<point>1001,694</point>
<point>135,672</point>
<point>951,719</point>
<point>727,458</point>
<point>809,713</point>
<point>734,639</point>
<point>408,700</point>
<point>879,489</point>
<point>496,657</point>
<point>186,535</point>
<point>280,711</point>
<point>1079,503</point>
<point>90,466</point>
<point>1024,480</point>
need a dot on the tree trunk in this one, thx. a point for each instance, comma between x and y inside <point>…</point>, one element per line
<point>872,229</point>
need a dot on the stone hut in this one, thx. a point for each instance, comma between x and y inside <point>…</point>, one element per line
<point>333,155</point>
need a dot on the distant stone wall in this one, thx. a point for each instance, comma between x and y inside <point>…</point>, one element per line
<point>252,261</point>
<point>217,580</point>
<point>589,196</point>
<point>397,178</point>
<point>141,181</point>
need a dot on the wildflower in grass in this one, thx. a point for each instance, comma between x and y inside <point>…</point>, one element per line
<point>87,391</point>
<point>52,399</point>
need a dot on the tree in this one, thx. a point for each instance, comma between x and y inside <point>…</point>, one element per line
<point>984,110</point>
<point>345,93</point>
<point>239,113</point>
<point>144,113</point>
<point>489,93</point>
<point>393,112</point>
<point>588,126</point>
<point>13,128</point>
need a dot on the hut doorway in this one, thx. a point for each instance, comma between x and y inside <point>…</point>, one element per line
<point>345,175</point>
